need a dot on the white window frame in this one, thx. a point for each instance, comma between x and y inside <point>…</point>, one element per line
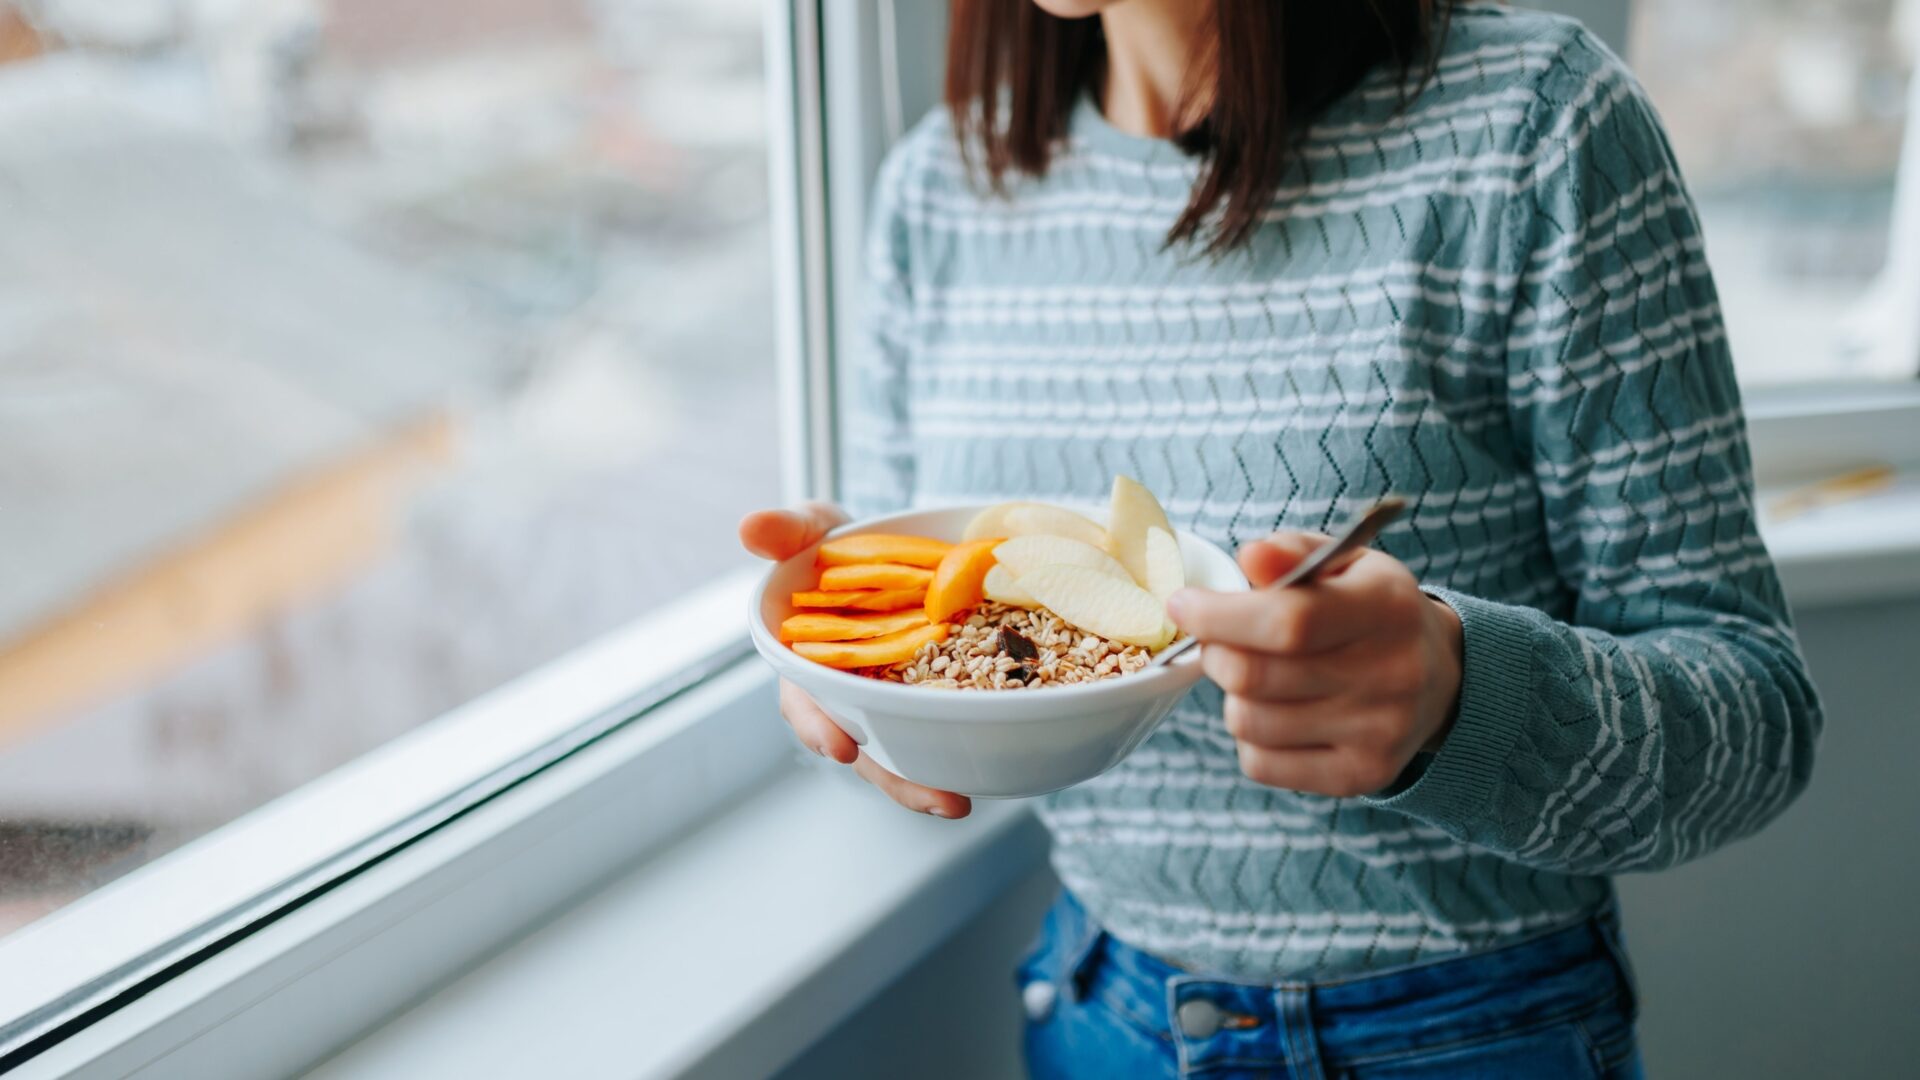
<point>340,902</point>
<point>1803,433</point>
<point>492,816</point>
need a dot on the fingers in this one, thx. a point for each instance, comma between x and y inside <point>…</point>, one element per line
<point>1334,772</point>
<point>814,728</point>
<point>1365,599</point>
<point>1282,622</point>
<point>1302,725</point>
<point>1264,561</point>
<point>781,534</point>
<point>821,735</point>
<point>1270,677</point>
<point>926,800</point>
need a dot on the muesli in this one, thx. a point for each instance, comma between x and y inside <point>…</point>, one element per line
<point>1033,595</point>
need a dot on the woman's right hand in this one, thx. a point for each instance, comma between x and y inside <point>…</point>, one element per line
<point>780,534</point>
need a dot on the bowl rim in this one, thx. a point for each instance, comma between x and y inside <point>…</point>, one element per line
<point>1145,683</point>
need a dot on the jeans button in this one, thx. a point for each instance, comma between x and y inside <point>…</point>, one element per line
<point>1198,1018</point>
<point>1037,998</point>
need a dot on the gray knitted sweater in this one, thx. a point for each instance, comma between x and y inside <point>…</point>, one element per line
<point>1495,301</point>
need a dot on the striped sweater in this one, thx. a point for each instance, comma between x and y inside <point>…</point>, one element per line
<point>1494,301</point>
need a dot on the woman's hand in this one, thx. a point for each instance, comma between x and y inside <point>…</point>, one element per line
<point>776,535</point>
<point>1332,687</point>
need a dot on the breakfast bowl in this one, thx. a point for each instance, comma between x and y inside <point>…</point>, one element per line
<point>985,743</point>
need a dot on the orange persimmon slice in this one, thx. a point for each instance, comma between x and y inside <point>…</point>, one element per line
<point>861,599</point>
<point>827,626</point>
<point>873,652</point>
<point>875,576</point>
<point>957,581</point>
<point>883,548</point>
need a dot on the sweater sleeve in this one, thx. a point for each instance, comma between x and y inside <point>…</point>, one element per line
<point>1671,713</point>
<point>875,428</point>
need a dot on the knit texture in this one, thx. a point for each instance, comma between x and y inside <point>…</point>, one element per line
<point>1494,301</point>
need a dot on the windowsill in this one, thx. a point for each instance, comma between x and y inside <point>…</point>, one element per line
<point>740,945</point>
<point>1864,550</point>
<point>726,955</point>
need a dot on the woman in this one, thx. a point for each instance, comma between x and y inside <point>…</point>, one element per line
<point>1275,259</point>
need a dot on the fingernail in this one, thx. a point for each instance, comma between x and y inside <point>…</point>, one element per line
<point>1177,605</point>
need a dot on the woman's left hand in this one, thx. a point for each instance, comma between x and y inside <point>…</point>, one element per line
<point>1332,687</point>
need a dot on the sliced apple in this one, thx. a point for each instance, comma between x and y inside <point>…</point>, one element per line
<point>1001,588</point>
<point>1101,604</point>
<point>1134,511</point>
<point>957,582</point>
<point>1025,554</point>
<point>874,652</point>
<point>992,521</point>
<point>1034,519</point>
<point>1039,519</point>
<point>828,626</point>
<point>1166,567</point>
<point>875,576</point>
<point>883,548</point>
<point>861,599</point>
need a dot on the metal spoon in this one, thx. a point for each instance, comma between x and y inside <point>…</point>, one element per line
<point>1358,534</point>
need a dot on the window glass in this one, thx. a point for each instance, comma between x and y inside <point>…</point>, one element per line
<point>356,356</point>
<point>1789,118</point>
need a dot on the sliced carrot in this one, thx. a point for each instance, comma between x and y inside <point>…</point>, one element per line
<point>883,548</point>
<point>957,582</point>
<point>874,652</point>
<point>861,599</point>
<point>826,626</point>
<point>875,576</point>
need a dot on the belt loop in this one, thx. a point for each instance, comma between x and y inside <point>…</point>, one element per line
<point>1293,1009</point>
<point>1606,923</point>
<point>1076,968</point>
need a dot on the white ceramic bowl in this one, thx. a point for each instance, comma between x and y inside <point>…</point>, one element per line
<point>984,743</point>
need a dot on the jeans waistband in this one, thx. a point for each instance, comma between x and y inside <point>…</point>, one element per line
<point>1551,976</point>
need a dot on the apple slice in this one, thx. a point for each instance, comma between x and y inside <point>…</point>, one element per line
<point>1100,604</point>
<point>1033,519</point>
<point>1166,567</point>
<point>992,521</point>
<point>1135,510</point>
<point>1039,519</point>
<point>1025,554</point>
<point>1001,588</point>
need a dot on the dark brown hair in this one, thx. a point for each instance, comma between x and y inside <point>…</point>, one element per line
<point>1014,73</point>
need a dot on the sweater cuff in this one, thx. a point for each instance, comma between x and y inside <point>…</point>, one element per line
<point>1496,700</point>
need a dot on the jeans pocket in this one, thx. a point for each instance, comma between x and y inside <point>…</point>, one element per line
<point>1559,1050</point>
<point>1059,953</point>
<point>1610,1035</point>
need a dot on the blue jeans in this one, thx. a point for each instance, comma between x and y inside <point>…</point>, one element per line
<point>1559,1006</point>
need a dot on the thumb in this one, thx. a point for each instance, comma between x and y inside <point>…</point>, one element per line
<point>1264,561</point>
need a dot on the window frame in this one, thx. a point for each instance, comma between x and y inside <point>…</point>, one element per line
<point>176,953</point>
<point>620,745</point>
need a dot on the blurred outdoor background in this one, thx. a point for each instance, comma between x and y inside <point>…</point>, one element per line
<point>356,356</point>
<point>1788,118</point>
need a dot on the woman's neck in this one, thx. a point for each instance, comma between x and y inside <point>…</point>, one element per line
<point>1151,45</point>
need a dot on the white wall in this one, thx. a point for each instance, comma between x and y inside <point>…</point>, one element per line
<point>1793,954</point>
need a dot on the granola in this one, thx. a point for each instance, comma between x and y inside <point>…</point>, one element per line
<point>1000,647</point>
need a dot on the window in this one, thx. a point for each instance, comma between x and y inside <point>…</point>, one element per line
<point>1791,120</point>
<point>356,358</point>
